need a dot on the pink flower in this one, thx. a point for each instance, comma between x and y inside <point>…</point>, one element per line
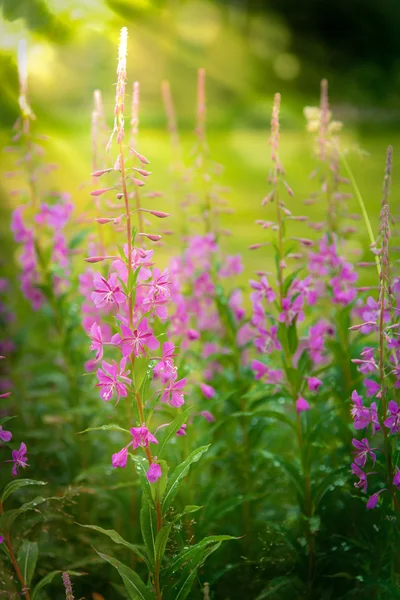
<point>314,384</point>
<point>362,415</point>
<point>207,390</point>
<point>372,388</point>
<point>192,335</point>
<point>174,394</point>
<point>292,309</point>
<point>107,292</point>
<point>393,421</point>
<point>259,369</point>
<point>141,436</point>
<point>364,450</point>
<point>5,436</point>
<point>113,379</point>
<point>233,266</point>
<point>120,458</point>
<point>263,290</point>
<point>154,473</point>
<point>182,430</point>
<point>165,369</point>
<point>208,416</point>
<point>97,341</point>
<point>362,477</point>
<point>19,459</point>
<point>235,304</point>
<point>302,405</point>
<point>135,341</point>
<point>374,499</point>
<point>396,479</point>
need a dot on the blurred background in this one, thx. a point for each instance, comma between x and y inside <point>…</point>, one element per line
<point>249,48</point>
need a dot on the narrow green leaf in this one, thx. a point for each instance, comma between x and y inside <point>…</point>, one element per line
<point>190,508</point>
<point>8,518</point>
<point>118,540</point>
<point>149,529</point>
<point>142,467</point>
<point>134,585</point>
<point>293,339</point>
<point>187,554</point>
<point>27,559</point>
<point>171,430</point>
<point>179,472</point>
<point>111,427</point>
<point>15,485</point>
<point>199,554</point>
<point>274,414</point>
<point>161,541</point>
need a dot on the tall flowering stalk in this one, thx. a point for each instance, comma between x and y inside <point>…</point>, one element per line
<point>19,461</point>
<point>292,351</point>
<point>380,372</point>
<point>37,226</point>
<point>135,294</point>
<point>327,151</point>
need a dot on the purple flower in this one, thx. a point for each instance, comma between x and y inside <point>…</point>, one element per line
<point>142,437</point>
<point>364,450</point>
<point>182,430</point>
<point>135,341</point>
<point>5,436</point>
<point>396,480</point>
<point>374,499</point>
<point>362,477</point>
<point>207,390</point>
<point>292,308</point>
<point>192,335</point>
<point>113,379</point>
<point>120,458</point>
<point>208,416</point>
<point>393,422</point>
<point>19,459</point>
<point>97,341</point>
<point>165,369</point>
<point>314,384</point>
<point>362,415</point>
<point>1,539</point>
<point>372,388</point>
<point>107,292</point>
<point>154,473</point>
<point>233,266</point>
<point>302,405</point>
<point>259,368</point>
<point>263,290</point>
<point>174,394</point>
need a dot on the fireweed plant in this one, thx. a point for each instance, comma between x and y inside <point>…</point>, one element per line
<point>274,402</point>
<point>209,321</point>
<point>378,364</point>
<point>294,361</point>
<point>136,296</point>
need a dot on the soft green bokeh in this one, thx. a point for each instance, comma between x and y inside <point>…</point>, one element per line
<point>171,43</point>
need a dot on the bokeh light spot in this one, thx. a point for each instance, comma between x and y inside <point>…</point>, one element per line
<point>286,66</point>
<point>198,22</point>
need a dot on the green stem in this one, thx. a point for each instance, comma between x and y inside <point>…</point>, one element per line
<point>361,204</point>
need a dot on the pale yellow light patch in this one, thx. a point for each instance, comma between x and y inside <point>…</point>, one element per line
<point>198,22</point>
<point>287,66</point>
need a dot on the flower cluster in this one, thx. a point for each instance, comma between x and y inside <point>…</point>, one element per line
<point>37,240</point>
<point>380,372</point>
<point>133,296</point>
